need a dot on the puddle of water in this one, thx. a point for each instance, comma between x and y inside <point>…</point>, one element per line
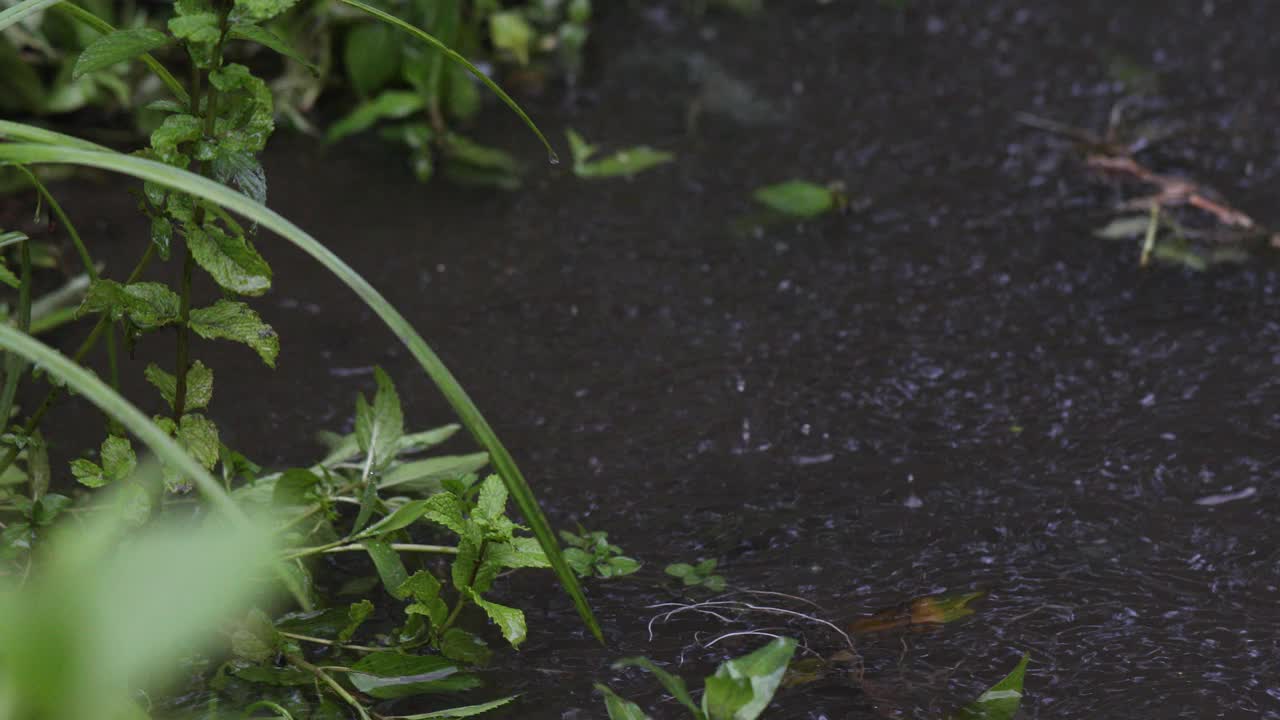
<point>955,387</point>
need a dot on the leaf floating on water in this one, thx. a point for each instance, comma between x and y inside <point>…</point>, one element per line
<point>624,163</point>
<point>1001,701</point>
<point>800,198</point>
<point>931,610</point>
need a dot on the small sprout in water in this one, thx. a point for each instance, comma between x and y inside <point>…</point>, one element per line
<point>700,575</point>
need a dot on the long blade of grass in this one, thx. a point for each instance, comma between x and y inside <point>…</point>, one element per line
<point>26,7</point>
<point>455,57</point>
<point>29,133</point>
<point>467,411</point>
<point>21,10</point>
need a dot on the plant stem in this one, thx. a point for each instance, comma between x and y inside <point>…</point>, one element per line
<point>14,365</point>
<point>331,643</point>
<point>301,663</point>
<point>55,392</point>
<point>347,546</point>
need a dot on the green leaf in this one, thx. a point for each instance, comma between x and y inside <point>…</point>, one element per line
<point>199,384</point>
<point>255,638</point>
<point>230,259</point>
<point>493,498</point>
<point>356,614</point>
<point>88,473</point>
<point>624,163</point>
<point>797,198</point>
<point>404,516</point>
<point>509,31</point>
<point>458,712</point>
<point>389,567</point>
<point>673,683</point>
<point>424,588</point>
<point>458,644</point>
<point>199,436</point>
<point>446,509</point>
<point>281,677</point>
<point>1002,700</point>
<point>380,427</point>
<point>117,47</point>
<point>618,707</point>
<point>175,130</point>
<point>231,320</point>
<point>13,15</point>
<point>460,60</point>
<point>147,305</point>
<point>742,688</point>
<point>201,33</point>
<point>268,39</point>
<point>470,163</point>
<point>262,10</point>
<point>33,148</point>
<point>371,56</point>
<point>391,104</point>
<point>425,475</point>
<point>295,486</point>
<point>389,675</point>
<point>508,619</point>
<point>521,552</point>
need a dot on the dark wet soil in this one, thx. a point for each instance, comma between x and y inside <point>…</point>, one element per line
<point>952,387</point>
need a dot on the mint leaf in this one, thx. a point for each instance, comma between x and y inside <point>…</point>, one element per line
<point>230,259</point>
<point>147,305</point>
<point>231,320</point>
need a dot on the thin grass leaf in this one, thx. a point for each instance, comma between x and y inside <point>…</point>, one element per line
<point>455,57</point>
<point>21,10</point>
<point>453,392</point>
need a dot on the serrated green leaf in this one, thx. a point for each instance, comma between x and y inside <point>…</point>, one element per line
<point>509,31</point>
<point>1001,702</point>
<point>147,305</point>
<point>425,475</point>
<point>388,105</point>
<point>379,427</point>
<point>520,552</point>
<point>118,458</point>
<point>242,171</point>
<point>162,235</point>
<point>255,638</point>
<point>117,47</point>
<point>424,588</point>
<point>231,320</point>
<point>508,619</point>
<point>199,384</point>
<point>389,675</point>
<point>88,473</point>
<point>797,198</point>
<point>199,436</point>
<point>201,33</point>
<point>281,677</point>
<point>229,259</point>
<point>356,615</point>
<point>268,39</point>
<point>175,130</point>
<point>493,498</point>
<point>295,486</point>
<point>389,566</point>
<point>262,10</point>
<point>446,509</point>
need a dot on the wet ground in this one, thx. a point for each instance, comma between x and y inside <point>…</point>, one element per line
<point>952,387</point>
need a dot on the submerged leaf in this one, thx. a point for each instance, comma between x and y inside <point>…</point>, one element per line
<point>797,198</point>
<point>387,675</point>
<point>931,610</point>
<point>624,163</point>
